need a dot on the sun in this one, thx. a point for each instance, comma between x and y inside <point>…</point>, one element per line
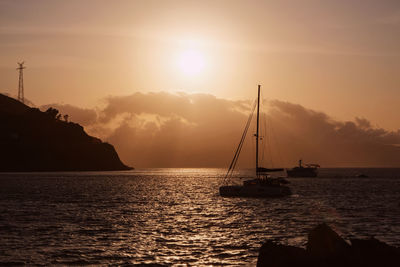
<point>191,62</point>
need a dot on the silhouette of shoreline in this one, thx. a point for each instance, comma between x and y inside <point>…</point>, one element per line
<point>32,140</point>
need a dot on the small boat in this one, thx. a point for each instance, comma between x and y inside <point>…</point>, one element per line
<point>263,185</point>
<point>310,170</point>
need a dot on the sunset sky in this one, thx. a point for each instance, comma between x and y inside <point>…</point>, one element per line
<point>335,59</point>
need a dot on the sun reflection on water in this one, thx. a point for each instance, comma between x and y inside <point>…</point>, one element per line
<point>175,216</point>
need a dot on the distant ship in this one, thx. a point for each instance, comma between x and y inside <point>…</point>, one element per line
<point>310,170</point>
<point>262,186</point>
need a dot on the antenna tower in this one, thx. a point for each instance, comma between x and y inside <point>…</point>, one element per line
<point>21,68</point>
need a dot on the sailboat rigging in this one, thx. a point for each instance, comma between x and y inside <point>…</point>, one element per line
<point>262,185</point>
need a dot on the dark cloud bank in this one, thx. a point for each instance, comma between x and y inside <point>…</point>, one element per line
<point>199,130</point>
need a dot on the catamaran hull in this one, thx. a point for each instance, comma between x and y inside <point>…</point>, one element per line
<point>254,191</point>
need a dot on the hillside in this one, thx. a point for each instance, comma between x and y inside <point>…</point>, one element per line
<point>32,140</point>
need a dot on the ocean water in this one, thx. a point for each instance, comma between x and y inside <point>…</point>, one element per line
<point>176,217</point>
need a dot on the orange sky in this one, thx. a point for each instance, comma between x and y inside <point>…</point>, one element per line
<point>338,57</point>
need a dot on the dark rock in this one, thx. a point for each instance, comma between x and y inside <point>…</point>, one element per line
<point>325,248</point>
<point>325,243</point>
<point>276,255</point>
<point>31,140</point>
<point>372,252</point>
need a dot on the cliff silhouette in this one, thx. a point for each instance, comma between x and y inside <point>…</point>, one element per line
<point>32,140</point>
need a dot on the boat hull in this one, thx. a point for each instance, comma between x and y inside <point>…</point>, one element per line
<point>254,191</point>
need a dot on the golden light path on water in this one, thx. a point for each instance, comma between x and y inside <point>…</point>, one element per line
<point>175,216</point>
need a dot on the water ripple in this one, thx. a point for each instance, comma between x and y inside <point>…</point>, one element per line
<point>175,217</point>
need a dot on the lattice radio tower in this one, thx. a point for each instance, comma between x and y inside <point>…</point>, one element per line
<point>21,82</point>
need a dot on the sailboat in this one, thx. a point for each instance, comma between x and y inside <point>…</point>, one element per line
<point>263,185</point>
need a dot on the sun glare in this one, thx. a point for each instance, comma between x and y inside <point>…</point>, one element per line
<point>191,62</point>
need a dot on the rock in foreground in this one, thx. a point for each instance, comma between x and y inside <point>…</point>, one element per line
<point>31,140</point>
<point>325,248</point>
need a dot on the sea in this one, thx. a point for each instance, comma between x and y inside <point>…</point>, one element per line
<point>175,217</point>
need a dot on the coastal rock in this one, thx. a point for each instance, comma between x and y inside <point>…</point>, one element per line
<point>32,140</point>
<point>325,248</point>
<point>276,255</point>
<point>323,242</point>
<point>372,252</point>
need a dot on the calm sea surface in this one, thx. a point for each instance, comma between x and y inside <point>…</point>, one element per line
<point>176,217</point>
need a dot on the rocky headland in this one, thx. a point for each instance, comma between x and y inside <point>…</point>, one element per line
<point>32,140</point>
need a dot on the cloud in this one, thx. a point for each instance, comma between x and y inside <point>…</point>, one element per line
<point>167,130</point>
<point>316,137</point>
<point>200,130</point>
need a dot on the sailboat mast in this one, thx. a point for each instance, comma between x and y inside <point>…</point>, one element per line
<point>258,126</point>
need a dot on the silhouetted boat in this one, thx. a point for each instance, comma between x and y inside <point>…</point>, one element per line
<point>263,185</point>
<point>310,170</point>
